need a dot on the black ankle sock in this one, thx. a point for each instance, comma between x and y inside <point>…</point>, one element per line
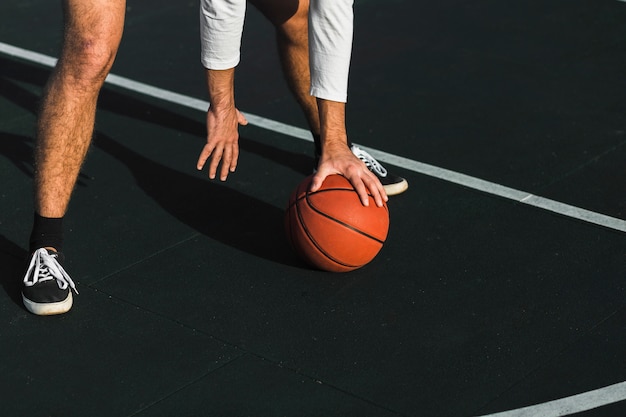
<point>47,232</point>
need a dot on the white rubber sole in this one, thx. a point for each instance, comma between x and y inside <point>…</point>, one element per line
<point>49,309</point>
<point>395,189</point>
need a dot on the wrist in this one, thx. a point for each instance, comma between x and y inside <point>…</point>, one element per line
<point>221,89</point>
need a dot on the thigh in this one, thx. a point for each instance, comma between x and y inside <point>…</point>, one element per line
<point>280,11</point>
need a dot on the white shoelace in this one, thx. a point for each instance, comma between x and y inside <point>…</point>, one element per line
<point>369,161</point>
<point>44,267</point>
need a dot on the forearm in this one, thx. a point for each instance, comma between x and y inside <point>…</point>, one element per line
<point>330,45</point>
<point>221,89</point>
<point>332,124</point>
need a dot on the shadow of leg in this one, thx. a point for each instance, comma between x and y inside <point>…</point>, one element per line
<point>13,261</point>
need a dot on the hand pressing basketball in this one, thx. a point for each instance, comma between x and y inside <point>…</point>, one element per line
<point>338,159</point>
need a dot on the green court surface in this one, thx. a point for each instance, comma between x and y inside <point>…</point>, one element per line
<point>496,290</point>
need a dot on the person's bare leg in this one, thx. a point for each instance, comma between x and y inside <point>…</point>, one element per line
<point>93,30</point>
<point>290,18</point>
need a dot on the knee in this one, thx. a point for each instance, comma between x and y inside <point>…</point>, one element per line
<point>295,27</point>
<point>86,60</point>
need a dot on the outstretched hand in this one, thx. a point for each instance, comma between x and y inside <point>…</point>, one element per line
<point>222,141</point>
<point>340,160</point>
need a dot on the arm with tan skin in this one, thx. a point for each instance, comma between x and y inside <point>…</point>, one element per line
<point>330,45</point>
<point>223,120</point>
<point>221,28</point>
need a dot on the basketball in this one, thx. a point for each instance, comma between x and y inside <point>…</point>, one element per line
<point>330,229</point>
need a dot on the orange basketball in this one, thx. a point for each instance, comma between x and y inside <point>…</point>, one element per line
<point>330,228</point>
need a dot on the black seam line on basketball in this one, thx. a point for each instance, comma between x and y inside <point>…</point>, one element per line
<point>342,189</point>
<point>322,251</point>
<point>334,189</point>
<point>306,230</point>
<point>323,191</point>
<point>342,223</point>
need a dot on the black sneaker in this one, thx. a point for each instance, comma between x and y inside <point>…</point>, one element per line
<point>392,183</point>
<point>47,286</point>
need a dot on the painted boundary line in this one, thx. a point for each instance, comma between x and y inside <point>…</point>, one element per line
<point>570,405</point>
<point>501,190</point>
<point>415,166</point>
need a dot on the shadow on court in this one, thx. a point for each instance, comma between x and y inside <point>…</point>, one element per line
<point>13,260</point>
<point>129,106</point>
<point>216,211</point>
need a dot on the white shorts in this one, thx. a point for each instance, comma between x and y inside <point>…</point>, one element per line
<point>330,41</point>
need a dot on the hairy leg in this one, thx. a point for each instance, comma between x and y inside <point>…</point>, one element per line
<point>92,33</point>
<point>290,18</point>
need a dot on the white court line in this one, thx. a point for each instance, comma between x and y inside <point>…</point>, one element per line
<point>562,407</point>
<point>416,166</point>
<point>570,405</point>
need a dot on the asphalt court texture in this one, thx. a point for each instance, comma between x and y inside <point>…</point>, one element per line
<point>191,302</point>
